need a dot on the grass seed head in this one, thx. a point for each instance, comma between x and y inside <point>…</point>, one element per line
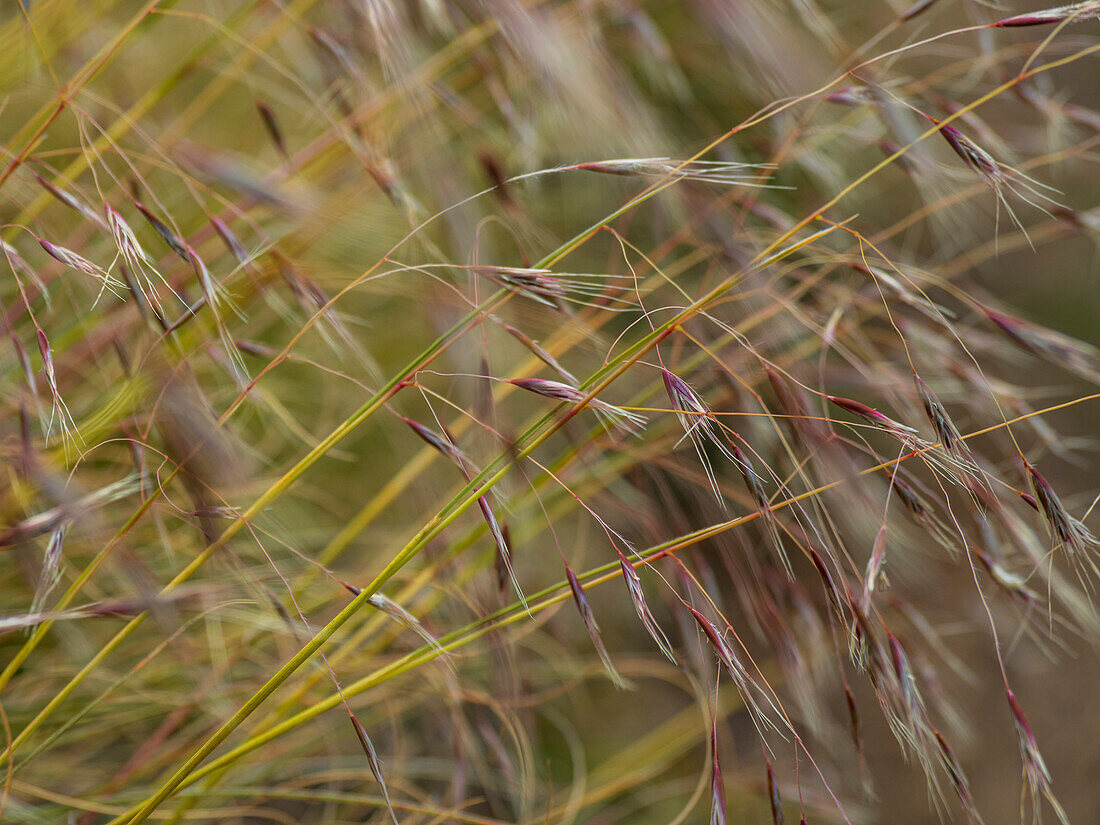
<point>1074,12</point>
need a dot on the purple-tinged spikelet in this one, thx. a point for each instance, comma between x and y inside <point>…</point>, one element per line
<point>623,419</point>
<point>641,607</point>
<point>1036,773</point>
<point>372,761</point>
<point>1074,536</point>
<point>945,429</point>
<point>70,200</point>
<point>1075,12</point>
<point>700,427</point>
<point>773,795</point>
<point>593,629</point>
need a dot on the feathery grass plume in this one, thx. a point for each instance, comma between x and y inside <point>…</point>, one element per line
<point>342,255</point>
<point>593,629</point>
<point>1074,13</point>
<point>1036,774</point>
<point>624,420</point>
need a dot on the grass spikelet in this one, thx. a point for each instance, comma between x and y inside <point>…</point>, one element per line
<point>372,761</point>
<point>166,234</point>
<point>230,240</point>
<point>733,666</point>
<point>446,446</point>
<point>1058,349</point>
<point>1036,774</point>
<point>271,125</point>
<point>641,607</point>
<point>703,171</point>
<point>1072,13</point>
<point>70,200</point>
<point>51,568</point>
<point>406,619</point>
<point>1076,538</point>
<point>872,576</point>
<point>774,799</point>
<point>137,260</point>
<point>624,420</point>
<point>81,264</point>
<point>1000,177</point>
<point>717,783</point>
<point>60,411</point>
<point>701,428</point>
<point>590,626</point>
<point>556,289</point>
<point>946,431</point>
<point>917,9</point>
<point>539,352</point>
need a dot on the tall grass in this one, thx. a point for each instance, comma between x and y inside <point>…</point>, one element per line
<point>538,412</point>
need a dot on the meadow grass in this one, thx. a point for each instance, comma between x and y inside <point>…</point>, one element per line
<point>540,412</point>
